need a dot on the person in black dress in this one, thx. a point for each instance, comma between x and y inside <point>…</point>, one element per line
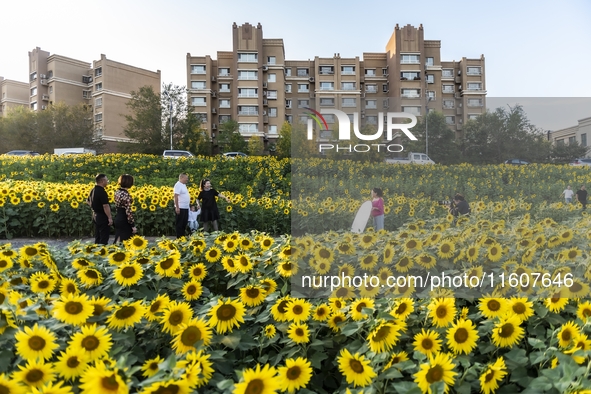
<point>209,208</point>
<point>98,200</point>
<point>124,221</point>
<point>582,196</point>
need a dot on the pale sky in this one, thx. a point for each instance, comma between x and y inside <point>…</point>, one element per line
<point>532,48</point>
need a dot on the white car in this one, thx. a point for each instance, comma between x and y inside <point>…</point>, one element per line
<point>581,162</point>
<point>176,154</point>
<point>235,154</point>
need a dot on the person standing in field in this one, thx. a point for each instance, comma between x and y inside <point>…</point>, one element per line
<point>582,196</point>
<point>377,208</point>
<point>568,194</point>
<point>98,200</point>
<point>124,221</point>
<point>209,207</point>
<point>182,200</point>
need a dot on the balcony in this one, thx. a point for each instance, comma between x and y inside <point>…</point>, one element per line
<point>45,97</point>
<point>248,113</point>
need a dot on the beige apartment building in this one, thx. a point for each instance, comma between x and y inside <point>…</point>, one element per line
<point>104,84</point>
<point>570,135</point>
<point>258,87</point>
<point>13,94</point>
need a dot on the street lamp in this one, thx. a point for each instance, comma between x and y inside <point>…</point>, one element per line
<point>427,126</point>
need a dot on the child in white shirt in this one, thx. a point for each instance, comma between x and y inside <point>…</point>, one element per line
<point>193,213</point>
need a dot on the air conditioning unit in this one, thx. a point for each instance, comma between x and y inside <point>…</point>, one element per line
<point>311,79</point>
<point>264,85</point>
<point>42,76</point>
<point>213,110</point>
<point>213,79</point>
<point>460,88</point>
<point>459,72</point>
<point>214,126</point>
<point>214,93</point>
<point>265,68</point>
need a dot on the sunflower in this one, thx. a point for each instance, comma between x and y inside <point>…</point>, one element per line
<point>136,243</point>
<point>285,252</point>
<point>192,290</point>
<point>287,268</point>
<point>368,261</point>
<point>427,342</point>
<point>230,264</point>
<point>403,265</point>
<point>556,303</point>
<point>462,336</point>
<point>99,379</point>
<point>584,310</point>
<point>270,331</point>
<point>507,331</point>
<point>6,320</point>
<point>252,295</point>
<point>68,287</point>
<point>71,363</point>
<point>357,307</point>
<point>438,369</point>
<point>171,386</point>
<point>198,368</point>
<point>279,309</point>
<point>168,265</point>
<point>42,283</point>
<point>578,289</point>
<point>299,332</point>
<point>73,309</point>
<point>174,313</point>
<point>492,375</point>
<point>90,277</point>
<point>198,271</point>
<point>266,242</point>
<point>321,313</point>
<point>35,373</point>
<point>297,310</point>
<point>151,366</point>
<point>492,307</point>
<point>100,305</point>
<point>383,337</point>
<point>368,240</point>
<point>119,257</point>
<point>335,320</point>
<point>213,254</point>
<point>35,343</point>
<point>226,315</point>
<point>128,274</point>
<point>442,311</point>
<point>355,368</point>
<point>567,333</point>
<point>396,358</point>
<point>188,335</point>
<point>521,307</point>
<point>243,263</point>
<point>81,263</point>
<point>426,260</point>
<point>402,308</point>
<point>5,264</point>
<point>495,252</point>
<point>126,315</point>
<point>295,375</point>
<point>10,386</point>
<point>260,381</point>
<point>269,285</point>
<point>446,250</point>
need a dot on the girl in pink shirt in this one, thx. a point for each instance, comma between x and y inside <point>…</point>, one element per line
<point>377,208</point>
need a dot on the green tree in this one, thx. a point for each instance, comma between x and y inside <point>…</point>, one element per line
<point>193,137</point>
<point>256,146</point>
<point>283,145</point>
<point>565,153</point>
<point>230,139</point>
<point>443,147</point>
<point>144,124</point>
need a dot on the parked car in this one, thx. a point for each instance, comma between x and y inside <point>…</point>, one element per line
<point>581,162</point>
<point>175,154</point>
<point>413,158</point>
<point>516,162</point>
<point>234,154</point>
<point>22,153</point>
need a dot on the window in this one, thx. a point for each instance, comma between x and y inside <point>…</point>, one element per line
<point>450,119</point>
<point>247,57</point>
<point>448,88</point>
<point>50,89</point>
<point>288,72</point>
<point>326,70</point>
<point>372,88</point>
<point>303,72</point>
<point>327,102</point>
<point>271,59</point>
<point>288,88</point>
<point>447,104</point>
<point>248,110</point>
<point>430,78</point>
<point>86,94</point>
<point>34,91</point>
<point>329,118</point>
<point>385,88</point>
<point>197,69</point>
<point>351,117</point>
<point>247,92</point>
<point>303,88</point>
<point>224,87</point>
<point>348,85</point>
<point>429,61</point>
<point>34,106</point>
<point>584,139</point>
<point>33,76</point>
<point>289,119</point>
<point>412,110</point>
<point>201,116</point>
<point>370,72</point>
<point>303,103</point>
<point>447,73</point>
<point>386,103</point>
<point>273,112</point>
<point>431,94</point>
<point>371,119</point>
<point>98,117</point>
<point>225,118</point>
<point>348,102</point>
<point>409,59</point>
<point>474,102</point>
<point>473,116</point>
<point>560,142</point>
<point>198,101</point>
<point>572,140</point>
<point>248,75</point>
<point>197,84</point>
<point>272,94</point>
<point>473,70</point>
<point>288,104</point>
<point>272,78</point>
<point>248,128</point>
<point>98,72</point>
<point>303,119</point>
<point>371,104</point>
<point>385,71</point>
<point>347,70</point>
<point>474,86</point>
<point>272,129</point>
<point>411,93</point>
<point>409,76</point>
<point>98,102</point>
<point>50,74</point>
<point>224,72</point>
<point>326,85</point>
<point>224,103</point>
<point>98,86</point>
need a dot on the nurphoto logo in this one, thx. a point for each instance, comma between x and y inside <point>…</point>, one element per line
<point>345,130</point>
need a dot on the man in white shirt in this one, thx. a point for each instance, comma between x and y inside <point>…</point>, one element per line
<point>182,200</point>
<point>568,195</point>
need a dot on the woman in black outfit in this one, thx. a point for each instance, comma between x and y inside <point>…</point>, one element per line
<point>124,222</point>
<point>209,208</point>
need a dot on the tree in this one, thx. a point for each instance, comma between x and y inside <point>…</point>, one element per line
<point>230,139</point>
<point>565,153</point>
<point>193,137</point>
<point>144,124</point>
<point>256,146</point>
<point>72,126</point>
<point>283,146</point>
<point>443,147</point>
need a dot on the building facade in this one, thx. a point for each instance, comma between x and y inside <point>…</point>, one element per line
<point>13,94</point>
<point>570,135</point>
<point>258,87</point>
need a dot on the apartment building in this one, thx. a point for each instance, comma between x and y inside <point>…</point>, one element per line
<point>13,94</point>
<point>258,87</point>
<point>578,133</point>
<point>104,85</point>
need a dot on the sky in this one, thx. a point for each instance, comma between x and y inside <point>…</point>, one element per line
<point>532,48</point>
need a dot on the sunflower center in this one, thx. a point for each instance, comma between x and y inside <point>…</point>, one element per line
<point>519,308</point>
<point>507,330</point>
<point>576,287</point>
<point>119,257</point>
<point>494,305</point>
<point>70,288</point>
<point>3,263</point>
<point>110,382</point>
<point>282,307</point>
<point>586,312</point>
<point>404,262</point>
<point>356,366</point>
<point>342,292</point>
<point>435,374</point>
<point>169,389</point>
<point>243,261</point>
<point>360,307</point>
<point>197,272</point>
<point>427,344</point>
<point>368,260</point>
<point>411,244</point>
<point>382,333</point>
<point>320,312</point>
<point>192,289</point>
<point>299,332</point>
<point>125,312</point>
<point>401,309</point>
<point>566,335</point>
<point>230,263</point>
<point>30,251</point>
<point>337,319</point>
<point>91,274</point>
<point>128,272</point>
<point>255,386</point>
<point>190,336</point>
<point>226,312</point>
<point>73,307</point>
<point>166,264</point>
<point>489,376</point>
<point>297,309</point>
<point>294,373</point>
<point>176,318</point>
<point>138,242</point>
<point>286,266</point>
<point>445,248</point>
<point>73,362</point>
<point>2,298</point>
<point>34,375</point>
<point>155,307</point>
<point>461,335</point>
<point>90,343</point>
<point>43,284</point>
<point>441,311</point>
<point>37,343</point>
<point>252,292</point>
<point>471,252</point>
